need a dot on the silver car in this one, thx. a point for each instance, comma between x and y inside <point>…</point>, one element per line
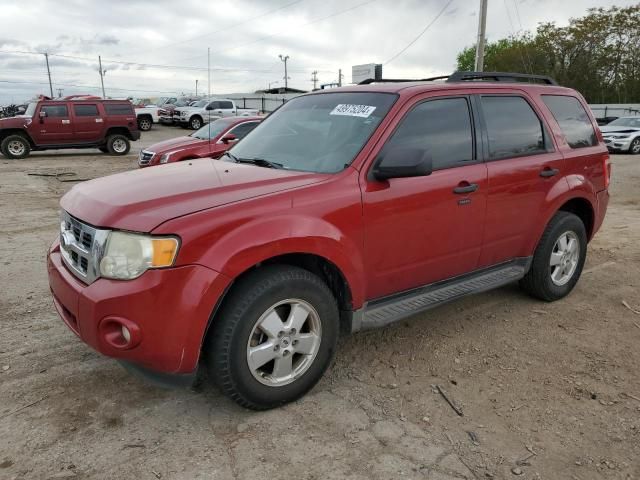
<point>622,135</point>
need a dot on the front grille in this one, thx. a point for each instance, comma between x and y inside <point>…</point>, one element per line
<point>145,157</point>
<point>81,246</point>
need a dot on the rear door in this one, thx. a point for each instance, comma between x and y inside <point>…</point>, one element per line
<point>423,229</point>
<point>55,127</point>
<point>88,124</point>
<point>523,166</point>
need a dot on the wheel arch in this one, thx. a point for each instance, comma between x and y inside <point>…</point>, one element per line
<point>584,210</point>
<point>4,133</point>
<point>118,130</point>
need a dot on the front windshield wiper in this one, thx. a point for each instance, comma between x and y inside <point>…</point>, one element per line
<point>231,156</point>
<point>261,162</point>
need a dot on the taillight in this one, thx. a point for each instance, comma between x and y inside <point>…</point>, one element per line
<point>606,169</point>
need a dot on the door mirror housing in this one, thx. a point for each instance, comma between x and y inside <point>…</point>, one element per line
<point>403,163</point>
<point>228,138</point>
<point>209,107</point>
<point>42,116</point>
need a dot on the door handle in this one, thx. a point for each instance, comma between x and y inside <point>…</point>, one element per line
<point>66,122</point>
<point>465,188</point>
<point>549,172</point>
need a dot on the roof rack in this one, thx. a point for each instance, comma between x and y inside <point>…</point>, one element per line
<point>83,96</point>
<point>472,77</point>
<point>500,77</point>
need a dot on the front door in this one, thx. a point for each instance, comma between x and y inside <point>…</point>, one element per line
<point>54,125</point>
<point>87,122</point>
<point>423,229</point>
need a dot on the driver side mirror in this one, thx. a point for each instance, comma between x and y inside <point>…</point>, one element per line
<point>229,138</point>
<point>42,116</point>
<point>209,107</point>
<point>403,162</point>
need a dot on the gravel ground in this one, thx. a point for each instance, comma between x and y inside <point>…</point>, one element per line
<point>548,390</point>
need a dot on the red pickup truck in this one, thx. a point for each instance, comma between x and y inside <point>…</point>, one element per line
<point>344,210</point>
<point>76,121</point>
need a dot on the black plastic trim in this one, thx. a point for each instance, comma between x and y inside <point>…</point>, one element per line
<point>161,379</point>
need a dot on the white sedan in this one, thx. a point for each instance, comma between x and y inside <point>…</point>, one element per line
<point>622,135</point>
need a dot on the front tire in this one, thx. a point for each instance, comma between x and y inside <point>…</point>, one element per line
<point>558,259</point>
<point>634,148</point>
<point>273,338</point>
<point>15,147</point>
<point>195,123</point>
<point>118,144</point>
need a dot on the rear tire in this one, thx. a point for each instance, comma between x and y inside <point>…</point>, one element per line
<point>145,123</point>
<point>15,147</point>
<point>118,144</point>
<point>558,259</point>
<point>273,338</point>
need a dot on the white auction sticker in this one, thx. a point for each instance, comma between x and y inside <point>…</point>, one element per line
<point>352,110</point>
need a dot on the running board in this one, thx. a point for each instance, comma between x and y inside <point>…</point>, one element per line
<point>381,312</point>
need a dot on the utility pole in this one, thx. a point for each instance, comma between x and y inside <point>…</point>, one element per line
<point>482,28</point>
<point>102,72</point>
<point>314,78</point>
<point>196,87</point>
<point>340,76</point>
<point>208,71</point>
<point>46,57</point>
<point>286,77</point>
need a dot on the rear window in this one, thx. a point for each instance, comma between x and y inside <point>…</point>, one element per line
<point>118,109</point>
<point>514,128</point>
<point>573,120</point>
<point>85,110</point>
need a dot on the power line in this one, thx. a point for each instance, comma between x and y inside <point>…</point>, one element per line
<point>93,87</point>
<point>420,34</point>
<point>526,50</point>
<point>513,32</point>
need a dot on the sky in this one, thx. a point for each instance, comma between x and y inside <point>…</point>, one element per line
<point>153,48</point>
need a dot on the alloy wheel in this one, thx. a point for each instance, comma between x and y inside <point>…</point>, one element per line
<point>564,258</point>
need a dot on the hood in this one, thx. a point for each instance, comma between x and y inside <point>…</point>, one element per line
<point>618,129</point>
<point>173,143</point>
<point>19,121</point>
<point>141,200</point>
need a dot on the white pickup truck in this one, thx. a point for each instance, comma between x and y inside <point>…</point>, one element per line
<point>209,109</point>
<point>147,116</point>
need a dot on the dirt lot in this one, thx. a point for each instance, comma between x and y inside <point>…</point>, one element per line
<point>548,390</point>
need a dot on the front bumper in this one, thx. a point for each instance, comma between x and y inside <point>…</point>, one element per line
<point>170,308</point>
<point>618,144</point>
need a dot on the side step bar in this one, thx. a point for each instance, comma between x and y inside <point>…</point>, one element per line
<point>381,312</point>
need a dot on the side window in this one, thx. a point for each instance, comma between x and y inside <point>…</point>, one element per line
<point>573,120</point>
<point>514,128</point>
<point>241,130</point>
<point>441,127</point>
<point>118,108</point>
<point>85,110</point>
<point>214,105</point>
<point>226,105</point>
<point>55,110</point>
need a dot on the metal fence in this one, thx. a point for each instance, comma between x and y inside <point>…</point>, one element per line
<point>265,103</point>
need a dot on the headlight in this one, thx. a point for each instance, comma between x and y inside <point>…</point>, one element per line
<point>129,255</point>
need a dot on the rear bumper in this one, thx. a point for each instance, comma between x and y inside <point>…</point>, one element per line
<point>167,310</point>
<point>603,203</point>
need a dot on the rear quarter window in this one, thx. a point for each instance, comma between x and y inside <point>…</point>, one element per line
<point>573,120</point>
<point>118,109</point>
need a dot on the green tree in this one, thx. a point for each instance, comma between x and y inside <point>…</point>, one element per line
<point>595,54</point>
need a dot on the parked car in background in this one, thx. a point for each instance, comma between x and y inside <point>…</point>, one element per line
<point>166,118</point>
<point>205,110</point>
<point>147,116</point>
<point>212,140</point>
<point>76,121</point>
<point>346,209</point>
<point>622,135</point>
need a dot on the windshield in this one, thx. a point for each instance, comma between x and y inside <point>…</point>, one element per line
<point>213,129</point>
<point>31,109</point>
<point>317,133</point>
<point>626,122</point>
<point>183,102</point>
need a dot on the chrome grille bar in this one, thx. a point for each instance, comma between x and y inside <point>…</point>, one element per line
<point>82,247</point>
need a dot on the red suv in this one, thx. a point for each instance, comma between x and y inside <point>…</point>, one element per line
<point>212,140</point>
<point>77,121</point>
<point>344,210</point>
